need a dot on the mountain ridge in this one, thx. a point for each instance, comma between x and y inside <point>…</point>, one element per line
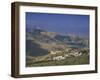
<point>48,41</point>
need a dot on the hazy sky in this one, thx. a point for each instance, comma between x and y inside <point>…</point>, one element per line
<point>60,23</point>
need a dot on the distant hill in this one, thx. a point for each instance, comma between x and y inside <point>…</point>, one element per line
<point>40,42</point>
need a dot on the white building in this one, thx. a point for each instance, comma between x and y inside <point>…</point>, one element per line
<point>58,58</point>
<point>66,55</point>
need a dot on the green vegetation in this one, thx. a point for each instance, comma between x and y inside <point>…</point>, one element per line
<point>84,59</point>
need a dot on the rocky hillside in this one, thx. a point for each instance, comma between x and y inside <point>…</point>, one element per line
<point>40,42</point>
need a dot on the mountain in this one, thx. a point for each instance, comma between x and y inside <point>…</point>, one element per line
<point>40,42</point>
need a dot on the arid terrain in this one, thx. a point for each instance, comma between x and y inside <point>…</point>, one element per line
<point>44,48</point>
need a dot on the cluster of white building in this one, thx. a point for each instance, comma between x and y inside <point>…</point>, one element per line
<point>59,55</point>
<point>74,53</point>
<point>59,58</point>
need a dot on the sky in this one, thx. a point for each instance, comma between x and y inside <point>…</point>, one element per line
<point>60,23</point>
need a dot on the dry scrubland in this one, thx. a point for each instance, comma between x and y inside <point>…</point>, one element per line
<point>44,48</point>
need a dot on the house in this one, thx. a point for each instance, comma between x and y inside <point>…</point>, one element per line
<point>58,58</point>
<point>75,53</point>
<point>66,55</point>
<point>55,52</point>
<point>52,52</point>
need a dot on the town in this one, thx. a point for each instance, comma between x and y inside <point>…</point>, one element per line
<point>58,55</point>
